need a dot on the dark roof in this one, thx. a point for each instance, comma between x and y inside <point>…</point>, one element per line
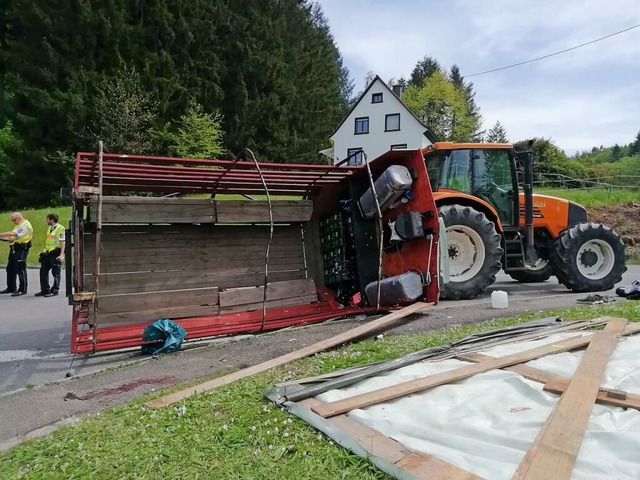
<point>364,94</point>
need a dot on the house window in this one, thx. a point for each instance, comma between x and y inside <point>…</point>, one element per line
<point>376,98</point>
<point>399,146</point>
<point>355,156</point>
<point>392,122</point>
<point>362,125</point>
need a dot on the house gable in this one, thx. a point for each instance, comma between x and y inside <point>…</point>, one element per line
<point>377,121</point>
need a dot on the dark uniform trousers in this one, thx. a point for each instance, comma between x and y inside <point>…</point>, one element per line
<point>50,263</point>
<point>17,267</point>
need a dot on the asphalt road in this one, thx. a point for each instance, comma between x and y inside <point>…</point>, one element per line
<point>35,331</point>
<point>36,398</point>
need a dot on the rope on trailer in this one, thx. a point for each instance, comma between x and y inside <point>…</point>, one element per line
<point>380,227</point>
<point>266,257</point>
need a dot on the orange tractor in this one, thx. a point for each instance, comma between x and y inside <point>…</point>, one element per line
<point>493,223</point>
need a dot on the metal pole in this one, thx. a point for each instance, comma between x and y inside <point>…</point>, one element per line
<point>98,247</point>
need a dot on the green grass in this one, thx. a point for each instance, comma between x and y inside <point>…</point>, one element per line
<point>593,198</point>
<point>38,219</point>
<point>233,432</point>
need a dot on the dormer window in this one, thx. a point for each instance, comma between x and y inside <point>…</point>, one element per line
<point>376,98</point>
<point>362,125</point>
<point>392,122</point>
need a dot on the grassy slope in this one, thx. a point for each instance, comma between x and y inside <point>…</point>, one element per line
<point>593,198</point>
<point>232,432</point>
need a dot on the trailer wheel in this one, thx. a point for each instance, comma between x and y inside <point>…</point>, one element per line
<point>588,257</point>
<point>540,272</point>
<point>474,252</point>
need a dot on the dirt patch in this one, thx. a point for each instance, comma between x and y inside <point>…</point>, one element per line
<point>624,218</point>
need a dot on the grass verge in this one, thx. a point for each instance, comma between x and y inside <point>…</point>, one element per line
<point>594,197</point>
<point>233,432</point>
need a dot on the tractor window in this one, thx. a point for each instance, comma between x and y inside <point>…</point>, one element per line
<point>492,167</point>
<point>456,171</point>
<point>493,181</point>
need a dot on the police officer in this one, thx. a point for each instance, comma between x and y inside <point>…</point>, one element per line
<point>19,244</point>
<point>51,257</point>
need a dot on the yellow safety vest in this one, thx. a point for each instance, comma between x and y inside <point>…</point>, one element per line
<point>25,238</point>
<point>53,238</point>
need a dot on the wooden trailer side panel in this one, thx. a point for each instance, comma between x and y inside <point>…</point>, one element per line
<point>149,272</point>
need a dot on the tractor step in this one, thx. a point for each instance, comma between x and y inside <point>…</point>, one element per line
<point>514,256</point>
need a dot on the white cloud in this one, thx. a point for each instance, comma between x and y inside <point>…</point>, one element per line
<point>585,97</point>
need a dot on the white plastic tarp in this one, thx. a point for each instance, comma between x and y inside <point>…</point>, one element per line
<point>486,424</point>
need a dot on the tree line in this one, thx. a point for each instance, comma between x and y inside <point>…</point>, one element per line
<point>205,79</point>
<point>145,76</point>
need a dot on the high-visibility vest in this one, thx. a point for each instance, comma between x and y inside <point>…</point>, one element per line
<point>26,238</point>
<point>53,238</point>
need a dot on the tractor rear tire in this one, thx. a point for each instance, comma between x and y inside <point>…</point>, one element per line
<point>588,257</point>
<point>474,252</point>
<point>540,272</point>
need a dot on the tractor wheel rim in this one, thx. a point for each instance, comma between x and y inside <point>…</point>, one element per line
<point>539,265</point>
<point>595,259</point>
<point>466,253</point>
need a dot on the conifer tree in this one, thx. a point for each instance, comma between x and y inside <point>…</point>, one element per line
<point>497,134</point>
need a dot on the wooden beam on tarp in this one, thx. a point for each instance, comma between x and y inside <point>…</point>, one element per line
<point>555,449</point>
<point>406,388</point>
<point>345,337</point>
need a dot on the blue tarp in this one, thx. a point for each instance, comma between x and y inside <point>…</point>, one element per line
<point>163,330</point>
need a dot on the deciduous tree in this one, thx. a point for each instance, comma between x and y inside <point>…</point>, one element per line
<point>442,107</point>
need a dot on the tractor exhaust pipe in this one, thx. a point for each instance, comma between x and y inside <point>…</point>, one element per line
<point>531,257</point>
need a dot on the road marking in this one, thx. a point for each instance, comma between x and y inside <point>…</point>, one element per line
<point>19,355</point>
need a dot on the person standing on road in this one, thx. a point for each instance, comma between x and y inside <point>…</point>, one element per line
<point>19,244</point>
<point>51,257</point>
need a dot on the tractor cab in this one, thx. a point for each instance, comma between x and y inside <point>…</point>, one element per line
<point>484,171</point>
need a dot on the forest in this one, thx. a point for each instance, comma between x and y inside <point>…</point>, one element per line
<point>203,78</point>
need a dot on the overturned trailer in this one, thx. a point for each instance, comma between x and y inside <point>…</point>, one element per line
<point>263,246</point>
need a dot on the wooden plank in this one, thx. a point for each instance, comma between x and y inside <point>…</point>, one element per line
<point>219,235</point>
<point>247,233</point>
<point>558,384</point>
<point>349,335</point>
<point>156,210</point>
<point>605,396</point>
<point>156,262</point>
<point>139,282</point>
<point>159,313</point>
<point>420,465</point>
<point>129,199</point>
<point>556,447</point>
<point>156,300</point>
<point>285,302</point>
<point>253,211</point>
<point>177,248</point>
<point>84,296</point>
<point>83,191</point>
<point>181,210</point>
<point>407,388</point>
<point>275,291</point>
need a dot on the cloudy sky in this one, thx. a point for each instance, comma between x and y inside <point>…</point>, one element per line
<point>587,97</point>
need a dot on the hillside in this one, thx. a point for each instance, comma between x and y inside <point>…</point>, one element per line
<point>625,219</point>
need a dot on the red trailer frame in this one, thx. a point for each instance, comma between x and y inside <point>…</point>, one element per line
<point>96,174</point>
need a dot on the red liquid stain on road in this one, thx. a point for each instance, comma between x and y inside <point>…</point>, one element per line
<point>126,387</point>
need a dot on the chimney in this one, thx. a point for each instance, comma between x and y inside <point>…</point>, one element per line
<point>397,90</point>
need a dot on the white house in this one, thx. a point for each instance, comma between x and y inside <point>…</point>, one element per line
<point>378,122</point>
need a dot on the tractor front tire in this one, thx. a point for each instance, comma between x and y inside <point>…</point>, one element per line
<point>588,257</point>
<point>474,249</point>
